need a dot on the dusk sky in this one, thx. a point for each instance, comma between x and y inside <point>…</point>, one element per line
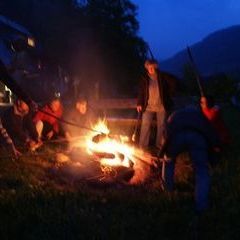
<point>169,25</point>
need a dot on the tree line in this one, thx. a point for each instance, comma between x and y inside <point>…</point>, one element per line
<point>94,41</point>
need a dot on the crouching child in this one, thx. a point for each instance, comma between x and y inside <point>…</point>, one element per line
<point>17,120</point>
<point>46,119</point>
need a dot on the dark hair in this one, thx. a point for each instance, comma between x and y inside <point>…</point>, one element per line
<point>18,101</point>
<point>150,62</point>
<point>81,99</point>
<point>54,96</point>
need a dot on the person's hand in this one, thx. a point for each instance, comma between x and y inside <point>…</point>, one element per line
<point>33,145</point>
<point>139,108</point>
<point>203,102</point>
<point>50,135</point>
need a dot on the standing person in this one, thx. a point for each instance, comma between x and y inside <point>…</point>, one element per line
<point>17,120</point>
<point>154,99</point>
<point>187,130</point>
<point>46,119</point>
<point>213,113</point>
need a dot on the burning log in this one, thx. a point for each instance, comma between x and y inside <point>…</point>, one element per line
<point>104,155</point>
<point>113,153</point>
<point>99,137</point>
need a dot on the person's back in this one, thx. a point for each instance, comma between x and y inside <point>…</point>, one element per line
<point>190,119</point>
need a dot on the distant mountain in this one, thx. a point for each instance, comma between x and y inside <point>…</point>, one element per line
<point>219,52</point>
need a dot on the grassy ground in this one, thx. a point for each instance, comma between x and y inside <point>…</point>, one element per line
<point>36,205</point>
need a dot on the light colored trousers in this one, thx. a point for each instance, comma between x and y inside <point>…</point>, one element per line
<point>147,119</point>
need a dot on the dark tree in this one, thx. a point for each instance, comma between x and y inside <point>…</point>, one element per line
<point>94,40</point>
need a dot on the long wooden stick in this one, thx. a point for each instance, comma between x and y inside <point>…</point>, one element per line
<point>136,127</point>
<point>196,72</point>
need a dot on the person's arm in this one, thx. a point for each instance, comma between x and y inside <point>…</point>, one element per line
<point>211,113</point>
<point>8,141</point>
<point>4,135</point>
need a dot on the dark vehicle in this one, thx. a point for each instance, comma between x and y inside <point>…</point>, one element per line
<point>19,54</point>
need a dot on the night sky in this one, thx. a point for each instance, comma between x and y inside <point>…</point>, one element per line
<point>169,25</point>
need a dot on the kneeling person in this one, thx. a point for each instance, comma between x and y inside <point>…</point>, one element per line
<point>46,119</point>
<point>17,120</point>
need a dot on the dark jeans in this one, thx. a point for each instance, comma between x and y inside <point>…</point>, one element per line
<point>196,145</point>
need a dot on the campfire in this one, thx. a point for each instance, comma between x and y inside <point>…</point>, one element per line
<point>117,157</point>
<point>103,156</point>
<point>113,152</point>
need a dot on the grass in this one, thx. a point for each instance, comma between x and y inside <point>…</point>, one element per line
<point>35,205</point>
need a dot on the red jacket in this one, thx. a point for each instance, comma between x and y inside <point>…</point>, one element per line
<point>214,116</point>
<point>40,116</point>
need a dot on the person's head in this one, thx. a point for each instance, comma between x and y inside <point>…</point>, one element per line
<point>207,101</point>
<point>21,107</point>
<point>55,104</point>
<point>151,66</point>
<point>81,105</point>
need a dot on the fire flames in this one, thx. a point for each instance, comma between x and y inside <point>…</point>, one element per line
<point>116,151</point>
<point>111,150</point>
<point>115,154</point>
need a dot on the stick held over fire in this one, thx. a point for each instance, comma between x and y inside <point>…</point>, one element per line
<point>134,136</point>
<point>196,72</point>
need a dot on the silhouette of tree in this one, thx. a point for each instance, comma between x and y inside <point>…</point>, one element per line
<point>95,40</point>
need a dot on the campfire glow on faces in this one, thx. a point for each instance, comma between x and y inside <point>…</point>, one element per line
<point>110,151</point>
